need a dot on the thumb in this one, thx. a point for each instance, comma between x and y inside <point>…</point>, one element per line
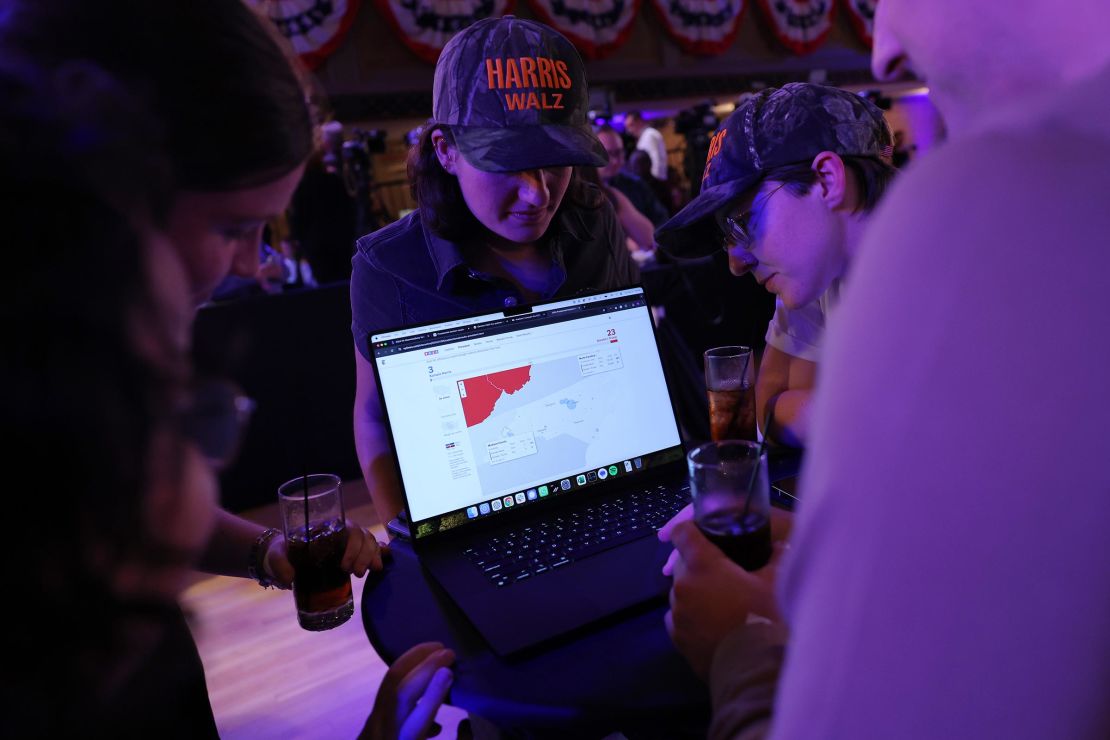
<point>780,548</point>
<point>276,561</point>
<point>685,514</point>
<point>691,544</point>
<point>419,724</point>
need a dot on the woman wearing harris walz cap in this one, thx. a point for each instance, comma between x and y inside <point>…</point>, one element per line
<point>501,219</point>
<point>790,181</point>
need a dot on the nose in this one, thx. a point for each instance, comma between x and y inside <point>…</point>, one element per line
<point>245,261</point>
<point>533,188</point>
<point>740,261</point>
<point>889,61</point>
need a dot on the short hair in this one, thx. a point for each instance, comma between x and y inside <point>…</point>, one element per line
<point>634,115</point>
<point>223,85</point>
<point>438,195</point>
<point>872,175</point>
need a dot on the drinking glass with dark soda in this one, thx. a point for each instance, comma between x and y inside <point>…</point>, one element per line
<point>315,539</point>
<point>736,522</point>
<point>730,385</point>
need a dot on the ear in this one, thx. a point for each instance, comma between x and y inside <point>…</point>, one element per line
<point>832,180</point>
<point>445,153</point>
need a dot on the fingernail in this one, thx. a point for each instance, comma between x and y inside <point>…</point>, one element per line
<point>445,676</point>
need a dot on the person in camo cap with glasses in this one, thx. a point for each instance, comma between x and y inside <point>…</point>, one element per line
<point>791,178</point>
<point>789,184</point>
<point>501,219</point>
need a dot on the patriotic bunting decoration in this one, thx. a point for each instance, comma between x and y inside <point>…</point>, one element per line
<point>425,26</point>
<point>702,27</point>
<point>596,27</point>
<point>862,15</point>
<point>801,25</point>
<point>315,28</point>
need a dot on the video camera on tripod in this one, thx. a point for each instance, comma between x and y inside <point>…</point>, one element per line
<point>353,162</point>
<point>697,124</point>
<point>357,165</point>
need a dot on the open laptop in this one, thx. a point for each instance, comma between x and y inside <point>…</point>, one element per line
<point>538,453</point>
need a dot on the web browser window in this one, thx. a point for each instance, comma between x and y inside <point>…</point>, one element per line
<point>499,411</point>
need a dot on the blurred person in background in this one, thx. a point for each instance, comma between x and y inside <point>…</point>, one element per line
<point>649,141</point>
<point>616,175</point>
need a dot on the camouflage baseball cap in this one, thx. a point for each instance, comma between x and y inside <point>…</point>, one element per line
<point>774,128</point>
<point>514,94</point>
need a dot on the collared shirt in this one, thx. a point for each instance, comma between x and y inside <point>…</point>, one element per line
<point>405,274</point>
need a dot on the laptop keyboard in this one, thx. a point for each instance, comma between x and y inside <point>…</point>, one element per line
<point>531,551</point>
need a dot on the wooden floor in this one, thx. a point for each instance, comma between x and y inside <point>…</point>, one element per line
<point>268,678</point>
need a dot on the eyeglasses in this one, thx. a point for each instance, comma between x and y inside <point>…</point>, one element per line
<point>214,418</point>
<point>738,231</point>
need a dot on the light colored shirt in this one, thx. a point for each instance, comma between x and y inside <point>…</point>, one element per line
<point>800,332</point>
<point>651,141</point>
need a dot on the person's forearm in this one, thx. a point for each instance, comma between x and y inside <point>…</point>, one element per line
<point>229,548</point>
<point>742,682</point>
<point>375,458</point>
<point>385,489</point>
<point>790,417</point>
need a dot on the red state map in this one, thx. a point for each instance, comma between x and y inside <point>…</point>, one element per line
<point>480,394</point>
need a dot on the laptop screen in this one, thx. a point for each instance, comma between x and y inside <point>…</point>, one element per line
<point>510,409</point>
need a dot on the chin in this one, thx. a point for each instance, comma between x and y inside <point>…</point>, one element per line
<point>789,298</point>
<point>525,235</point>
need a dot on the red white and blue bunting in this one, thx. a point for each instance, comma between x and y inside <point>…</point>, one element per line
<point>596,27</point>
<point>862,15</point>
<point>801,25</point>
<point>425,26</point>
<point>702,27</point>
<point>315,28</point>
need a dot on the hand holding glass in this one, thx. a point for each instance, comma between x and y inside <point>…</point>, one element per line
<point>732,519</point>
<point>315,539</point>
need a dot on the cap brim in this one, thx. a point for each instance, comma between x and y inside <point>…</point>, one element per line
<point>518,148</point>
<point>693,231</point>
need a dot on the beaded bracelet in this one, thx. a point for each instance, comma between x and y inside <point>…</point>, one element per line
<point>255,568</point>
